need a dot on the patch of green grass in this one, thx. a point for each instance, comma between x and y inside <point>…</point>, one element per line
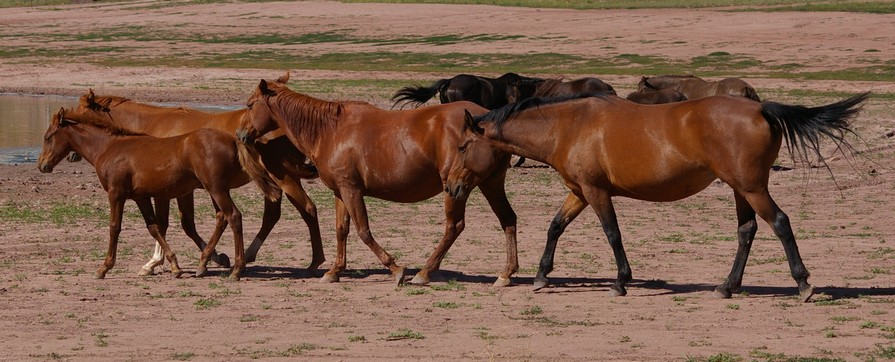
<point>720,357</point>
<point>357,339</point>
<point>751,5</point>
<point>780,357</point>
<point>450,285</point>
<point>405,334</point>
<point>534,310</point>
<point>207,303</point>
<point>183,356</point>
<point>446,305</point>
<point>58,213</point>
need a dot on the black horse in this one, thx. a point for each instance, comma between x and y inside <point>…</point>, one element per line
<point>487,92</point>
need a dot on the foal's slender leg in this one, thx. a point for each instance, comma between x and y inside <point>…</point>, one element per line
<point>768,210</point>
<point>570,209</point>
<point>454,223</point>
<point>745,234</point>
<point>308,211</point>
<point>220,225</point>
<point>343,224</point>
<point>354,202</point>
<point>272,213</point>
<point>601,202</point>
<point>186,205</point>
<point>116,209</point>
<point>494,191</point>
<point>149,216</point>
<point>162,211</point>
<point>233,217</point>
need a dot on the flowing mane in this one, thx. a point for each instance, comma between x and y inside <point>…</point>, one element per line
<point>102,103</point>
<point>503,114</point>
<point>107,126</point>
<point>310,115</point>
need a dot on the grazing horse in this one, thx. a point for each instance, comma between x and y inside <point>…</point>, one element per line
<point>402,156</point>
<point>283,162</point>
<point>598,145</point>
<point>694,87</point>
<point>650,95</point>
<point>487,92</point>
<point>139,167</point>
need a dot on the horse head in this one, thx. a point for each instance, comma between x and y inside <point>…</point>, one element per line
<point>54,148</point>
<point>476,158</point>
<point>259,119</point>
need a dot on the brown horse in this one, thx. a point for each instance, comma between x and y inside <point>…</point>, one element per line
<point>402,156</point>
<point>139,167</point>
<point>487,92</point>
<point>283,162</point>
<point>656,96</point>
<point>694,87</point>
<point>598,145</point>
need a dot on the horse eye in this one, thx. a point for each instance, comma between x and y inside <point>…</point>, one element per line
<point>462,149</point>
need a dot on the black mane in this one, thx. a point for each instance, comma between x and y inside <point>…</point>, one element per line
<point>503,114</point>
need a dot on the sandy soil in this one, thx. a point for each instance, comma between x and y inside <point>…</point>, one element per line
<point>54,309</point>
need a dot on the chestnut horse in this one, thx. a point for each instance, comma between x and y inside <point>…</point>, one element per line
<point>694,87</point>
<point>606,146</point>
<point>487,92</point>
<point>402,156</point>
<point>656,96</point>
<point>139,167</point>
<point>283,162</point>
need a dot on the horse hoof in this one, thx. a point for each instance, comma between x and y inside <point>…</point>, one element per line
<point>621,292</point>
<point>223,260</point>
<point>503,282</point>
<point>177,273</point>
<point>721,294</point>
<point>399,276</point>
<point>145,272</point>
<point>806,293</point>
<point>99,276</point>
<point>540,283</point>
<point>419,279</point>
<point>329,278</point>
<point>201,272</point>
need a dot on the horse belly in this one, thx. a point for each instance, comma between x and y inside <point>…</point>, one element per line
<point>662,186</point>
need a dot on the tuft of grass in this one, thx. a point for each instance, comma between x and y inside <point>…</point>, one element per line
<point>404,334</point>
<point>207,303</point>
<point>183,356</point>
<point>534,310</point>
<point>446,305</point>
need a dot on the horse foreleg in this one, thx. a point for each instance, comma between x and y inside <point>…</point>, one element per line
<point>601,202</point>
<point>768,210</point>
<point>354,203</point>
<point>116,210</point>
<point>186,205</point>
<point>570,209</point>
<point>745,234</point>
<point>231,214</point>
<point>343,223</point>
<point>272,212</point>
<point>220,225</point>
<point>308,211</point>
<point>454,223</point>
<point>495,193</point>
<point>162,211</point>
<point>152,225</point>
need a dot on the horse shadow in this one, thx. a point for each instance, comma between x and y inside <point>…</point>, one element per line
<point>562,285</point>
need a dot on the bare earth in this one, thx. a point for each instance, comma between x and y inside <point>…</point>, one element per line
<point>52,308</point>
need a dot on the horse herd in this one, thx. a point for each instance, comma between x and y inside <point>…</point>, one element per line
<point>601,145</point>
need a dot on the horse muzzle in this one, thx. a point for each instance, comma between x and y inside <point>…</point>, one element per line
<point>243,136</point>
<point>45,168</point>
<point>456,191</point>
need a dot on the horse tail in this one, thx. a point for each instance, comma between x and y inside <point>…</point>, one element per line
<point>803,126</point>
<point>248,159</point>
<point>418,95</point>
<point>750,93</point>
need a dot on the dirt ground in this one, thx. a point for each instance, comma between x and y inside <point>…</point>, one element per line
<point>53,309</point>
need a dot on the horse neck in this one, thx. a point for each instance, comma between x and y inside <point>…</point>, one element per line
<point>88,141</point>
<point>306,120</point>
<point>526,136</point>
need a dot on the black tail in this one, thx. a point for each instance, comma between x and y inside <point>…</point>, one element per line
<point>802,126</point>
<point>417,95</point>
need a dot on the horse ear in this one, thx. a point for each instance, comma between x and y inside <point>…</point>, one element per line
<point>648,85</point>
<point>470,123</point>
<point>264,89</point>
<point>60,115</point>
<point>284,78</point>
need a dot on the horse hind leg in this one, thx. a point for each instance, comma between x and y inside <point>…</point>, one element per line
<point>187,208</point>
<point>768,210</point>
<point>149,216</point>
<point>747,226</point>
<point>162,211</point>
<point>570,209</point>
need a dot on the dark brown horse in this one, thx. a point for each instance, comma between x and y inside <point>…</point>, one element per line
<point>139,167</point>
<point>402,156</point>
<point>282,160</point>
<point>486,92</point>
<point>656,96</point>
<point>598,146</point>
<point>694,87</point>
